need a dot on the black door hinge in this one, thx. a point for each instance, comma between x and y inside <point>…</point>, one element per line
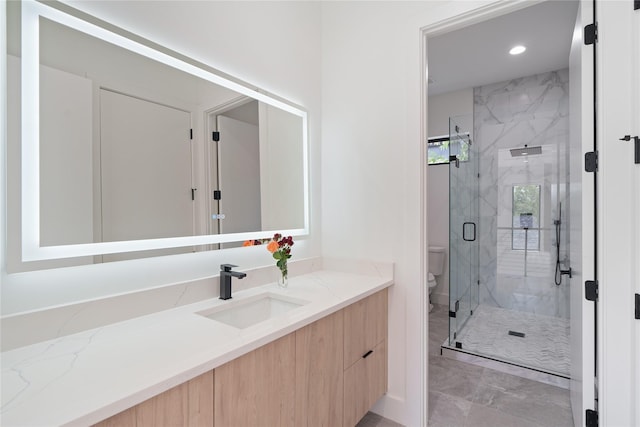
<point>190,133</point>
<point>193,193</point>
<point>217,195</point>
<point>215,136</point>
<point>636,147</point>
<point>637,306</point>
<point>590,34</point>
<point>591,418</point>
<point>591,161</point>
<point>591,290</point>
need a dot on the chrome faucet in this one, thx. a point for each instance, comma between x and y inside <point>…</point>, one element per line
<point>225,279</point>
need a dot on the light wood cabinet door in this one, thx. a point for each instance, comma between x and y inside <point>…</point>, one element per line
<point>365,326</point>
<point>364,383</point>
<point>123,419</point>
<point>319,373</point>
<point>258,389</point>
<point>189,404</point>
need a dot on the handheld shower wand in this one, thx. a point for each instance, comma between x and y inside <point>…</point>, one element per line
<point>559,271</point>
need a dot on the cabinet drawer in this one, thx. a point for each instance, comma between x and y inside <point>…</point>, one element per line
<point>364,383</point>
<point>365,326</point>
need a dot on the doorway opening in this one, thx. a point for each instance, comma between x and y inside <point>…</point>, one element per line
<point>509,213</point>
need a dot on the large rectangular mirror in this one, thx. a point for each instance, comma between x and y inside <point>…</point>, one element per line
<point>127,146</point>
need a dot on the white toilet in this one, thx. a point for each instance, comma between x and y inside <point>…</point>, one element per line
<point>436,268</point>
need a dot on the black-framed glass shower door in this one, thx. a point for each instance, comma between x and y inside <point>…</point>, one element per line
<point>464,248</point>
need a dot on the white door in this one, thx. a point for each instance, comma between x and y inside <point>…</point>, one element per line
<point>636,128</point>
<point>238,177</point>
<point>146,171</point>
<point>581,219</point>
<point>618,49</point>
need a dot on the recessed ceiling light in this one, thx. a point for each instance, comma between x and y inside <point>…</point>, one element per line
<point>517,50</point>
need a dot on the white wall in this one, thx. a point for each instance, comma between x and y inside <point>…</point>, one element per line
<point>273,46</point>
<point>441,107</point>
<point>371,165</point>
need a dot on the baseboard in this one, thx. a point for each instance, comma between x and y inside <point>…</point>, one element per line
<point>392,408</point>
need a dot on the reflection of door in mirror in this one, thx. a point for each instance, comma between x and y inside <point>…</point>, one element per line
<point>64,214</point>
<point>140,202</point>
<point>239,171</point>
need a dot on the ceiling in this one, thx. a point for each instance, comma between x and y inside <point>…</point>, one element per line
<point>479,54</point>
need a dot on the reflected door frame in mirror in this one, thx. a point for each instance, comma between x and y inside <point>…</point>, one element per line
<point>32,249</point>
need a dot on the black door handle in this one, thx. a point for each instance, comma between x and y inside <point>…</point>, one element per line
<point>464,231</point>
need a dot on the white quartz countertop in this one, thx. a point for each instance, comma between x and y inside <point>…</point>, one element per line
<point>83,378</point>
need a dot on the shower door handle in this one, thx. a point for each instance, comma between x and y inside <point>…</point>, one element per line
<point>464,231</point>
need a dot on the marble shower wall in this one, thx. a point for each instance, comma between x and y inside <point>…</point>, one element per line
<point>530,110</point>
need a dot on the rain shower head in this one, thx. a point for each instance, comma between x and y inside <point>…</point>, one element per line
<point>526,151</point>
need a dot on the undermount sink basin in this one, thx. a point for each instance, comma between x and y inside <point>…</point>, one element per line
<point>250,311</point>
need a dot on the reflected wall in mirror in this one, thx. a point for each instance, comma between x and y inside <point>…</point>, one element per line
<point>143,151</point>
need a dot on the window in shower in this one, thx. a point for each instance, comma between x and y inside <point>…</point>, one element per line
<point>525,233</point>
<point>440,148</point>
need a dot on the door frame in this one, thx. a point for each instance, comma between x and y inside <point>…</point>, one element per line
<point>441,27</point>
<point>211,155</point>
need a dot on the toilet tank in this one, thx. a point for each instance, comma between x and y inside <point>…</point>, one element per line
<point>436,260</point>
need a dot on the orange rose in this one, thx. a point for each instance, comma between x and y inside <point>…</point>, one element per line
<point>248,243</point>
<point>272,246</point>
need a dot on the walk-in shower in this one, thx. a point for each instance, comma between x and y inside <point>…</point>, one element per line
<point>508,239</point>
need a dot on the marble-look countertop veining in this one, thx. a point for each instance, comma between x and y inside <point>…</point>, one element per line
<point>83,378</point>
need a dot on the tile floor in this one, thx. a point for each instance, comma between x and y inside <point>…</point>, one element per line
<point>461,394</point>
<point>545,345</point>
<point>375,420</point>
<point>466,395</point>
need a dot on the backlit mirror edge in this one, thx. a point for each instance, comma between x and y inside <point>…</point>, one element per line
<point>31,249</point>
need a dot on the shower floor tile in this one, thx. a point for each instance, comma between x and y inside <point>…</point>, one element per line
<point>545,345</point>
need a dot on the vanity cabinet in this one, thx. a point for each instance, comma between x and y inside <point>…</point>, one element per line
<point>319,373</point>
<point>258,389</point>
<point>365,356</point>
<point>188,404</point>
<point>328,373</point>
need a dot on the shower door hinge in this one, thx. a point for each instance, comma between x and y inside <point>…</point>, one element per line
<point>455,160</point>
<point>591,290</point>
<point>590,34</point>
<point>637,307</point>
<point>591,161</point>
<point>591,419</point>
<point>456,308</point>
<point>215,136</point>
<point>190,133</point>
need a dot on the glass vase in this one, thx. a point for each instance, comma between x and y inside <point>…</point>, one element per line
<point>283,279</point>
